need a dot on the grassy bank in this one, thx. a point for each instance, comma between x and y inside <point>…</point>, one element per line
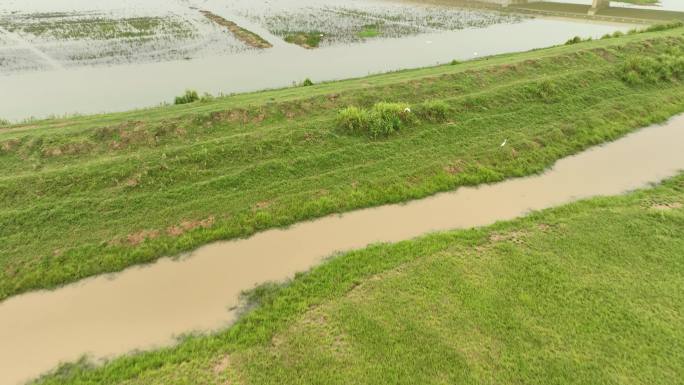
<point>95,194</point>
<point>591,292</point>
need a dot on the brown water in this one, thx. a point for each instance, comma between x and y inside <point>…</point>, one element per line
<point>145,307</point>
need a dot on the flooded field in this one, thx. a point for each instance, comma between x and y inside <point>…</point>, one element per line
<point>59,57</point>
<point>665,5</point>
<point>201,291</point>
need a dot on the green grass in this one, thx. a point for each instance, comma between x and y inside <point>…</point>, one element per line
<point>369,31</point>
<point>589,293</point>
<point>305,39</point>
<point>94,194</point>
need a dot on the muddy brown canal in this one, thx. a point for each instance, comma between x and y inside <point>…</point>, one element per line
<point>145,307</point>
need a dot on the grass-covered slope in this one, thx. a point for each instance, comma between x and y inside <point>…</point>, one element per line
<point>95,194</point>
<point>590,293</point>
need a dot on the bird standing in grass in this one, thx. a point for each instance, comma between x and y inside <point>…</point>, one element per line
<point>504,142</point>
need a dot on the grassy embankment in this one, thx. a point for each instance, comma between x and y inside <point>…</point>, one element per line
<point>590,293</point>
<point>95,194</point>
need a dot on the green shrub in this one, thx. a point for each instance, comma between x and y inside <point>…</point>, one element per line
<point>207,97</point>
<point>433,111</point>
<point>382,120</point>
<point>307,82</point>
<point>4,122</point>
<point>455,62</point>
<point>190,96</point>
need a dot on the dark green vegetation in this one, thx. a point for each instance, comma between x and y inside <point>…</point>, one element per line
<point>590,293</point>
<point>189,96</point>
<point>94,194</point>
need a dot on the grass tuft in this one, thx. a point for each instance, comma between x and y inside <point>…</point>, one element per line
<point>382,120</point>
<point>190,96</point>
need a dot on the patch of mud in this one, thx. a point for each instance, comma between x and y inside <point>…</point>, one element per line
<point>185,226</point>
<point>667,206</point>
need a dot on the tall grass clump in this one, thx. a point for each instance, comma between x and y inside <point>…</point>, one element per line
<point>189,96</point>
<point>645,69</point>
<point>4,122</point>
<point>574,40</point>
<point>353,120</point>
<point>547,91</point>
<point>433,111</point>
<point>382,120</point>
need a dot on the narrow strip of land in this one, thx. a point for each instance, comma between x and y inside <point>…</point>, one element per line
<point>248,37</point>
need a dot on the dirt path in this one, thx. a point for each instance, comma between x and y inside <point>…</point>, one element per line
<point>145,307</point>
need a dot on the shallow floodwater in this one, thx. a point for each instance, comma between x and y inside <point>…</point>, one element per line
<point>145,307</point>
<point>92,89</point>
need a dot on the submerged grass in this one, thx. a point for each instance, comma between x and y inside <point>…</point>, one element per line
<point>94,194</point>
<point>589,293</point>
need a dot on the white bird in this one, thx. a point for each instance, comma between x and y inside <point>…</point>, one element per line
<point>474,53</point>
<point>407,110</point>
<point>504,142</point>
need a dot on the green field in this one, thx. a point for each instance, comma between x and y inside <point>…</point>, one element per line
<point>590,293</point>
<point>88,195</point>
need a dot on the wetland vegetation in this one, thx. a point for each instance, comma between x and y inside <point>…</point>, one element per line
<point>312,27</point>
